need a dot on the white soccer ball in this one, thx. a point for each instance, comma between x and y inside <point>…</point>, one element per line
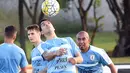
<point>50,7</point>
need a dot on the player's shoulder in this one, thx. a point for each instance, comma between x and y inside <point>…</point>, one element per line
<point>18,48</point>
<point>13,47</point>
<point>46,45</point>
<point>97,50</point>
<point>68,38</point>
<point>2,44</point>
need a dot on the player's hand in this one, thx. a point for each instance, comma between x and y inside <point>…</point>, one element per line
<point>61,52</point>
<point>72,61</point>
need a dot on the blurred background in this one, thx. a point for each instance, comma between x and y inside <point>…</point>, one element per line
<point>107,22</point>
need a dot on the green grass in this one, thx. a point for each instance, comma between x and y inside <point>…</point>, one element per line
<point>105,40</point>
<point>121,60</point>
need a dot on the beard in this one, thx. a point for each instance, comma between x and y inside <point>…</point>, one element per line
<point>83,48</point>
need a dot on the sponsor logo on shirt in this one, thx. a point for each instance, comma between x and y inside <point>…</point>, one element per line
<point>61,60</point>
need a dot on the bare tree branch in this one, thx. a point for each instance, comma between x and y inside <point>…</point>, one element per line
<point>27,8</point>
<point>89,6</point>
<point>118,8</point>
<point>35,12</point>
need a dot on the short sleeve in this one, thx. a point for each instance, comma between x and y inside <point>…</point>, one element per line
<point>24,61</point>
<point>43,47</point>
<point>105,59</point>
<point>75,48</point>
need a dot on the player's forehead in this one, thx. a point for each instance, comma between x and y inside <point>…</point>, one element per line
<point>44,22</point>
<point>32,31</point>
<point>82,35</point>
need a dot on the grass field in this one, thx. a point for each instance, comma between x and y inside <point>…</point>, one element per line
<point>105,40</point>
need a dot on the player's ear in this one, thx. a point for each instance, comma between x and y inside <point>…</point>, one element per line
<point>14,36</point>
<point>40,33</point>
<point>89,40</point>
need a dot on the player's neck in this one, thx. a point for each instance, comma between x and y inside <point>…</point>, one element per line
<point>37,43</point>
<point>9,41</point>
<point>51,36</point>
<point>87,49</point>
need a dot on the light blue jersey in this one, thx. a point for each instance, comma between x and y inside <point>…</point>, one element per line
<point>60,64</point>
<point>11,57</point>
<point>93,61</point>
<point>38,61</point>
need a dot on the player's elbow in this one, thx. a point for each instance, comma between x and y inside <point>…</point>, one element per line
<point>23,70</point>
<point>81,59</point>
<point>112,68</point>
<point>47,58</point>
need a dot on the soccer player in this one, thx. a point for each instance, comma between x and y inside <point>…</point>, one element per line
<point>40,55</point>
<point>11,56</point>
<point>93,58</point>
<point>65,63</point>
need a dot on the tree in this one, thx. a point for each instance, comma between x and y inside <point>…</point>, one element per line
<point>122,16</point>
<point>33,11</point>
<point>33,16</point>
<point>21,25</point>
<point>83,12</point>
<point>96,4</point>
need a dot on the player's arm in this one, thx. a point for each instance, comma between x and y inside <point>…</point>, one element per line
<point>23,63</point>
<point>112,68</point>
<point>51,55</point>
<point>105,60</point>
<point>77,59</point>
<point>75,51</point>
<point>23,70</point>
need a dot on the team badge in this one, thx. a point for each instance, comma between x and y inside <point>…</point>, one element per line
<point>92,57</point>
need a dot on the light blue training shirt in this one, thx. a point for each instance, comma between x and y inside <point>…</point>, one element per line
<point>38,61</point>
<point>60,64</point>
<point>11,58</point>
<point>93,61</point>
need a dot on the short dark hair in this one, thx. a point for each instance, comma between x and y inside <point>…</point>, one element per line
<point>10,31</point>
<point>45,19</point>
<point>33,27</point>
